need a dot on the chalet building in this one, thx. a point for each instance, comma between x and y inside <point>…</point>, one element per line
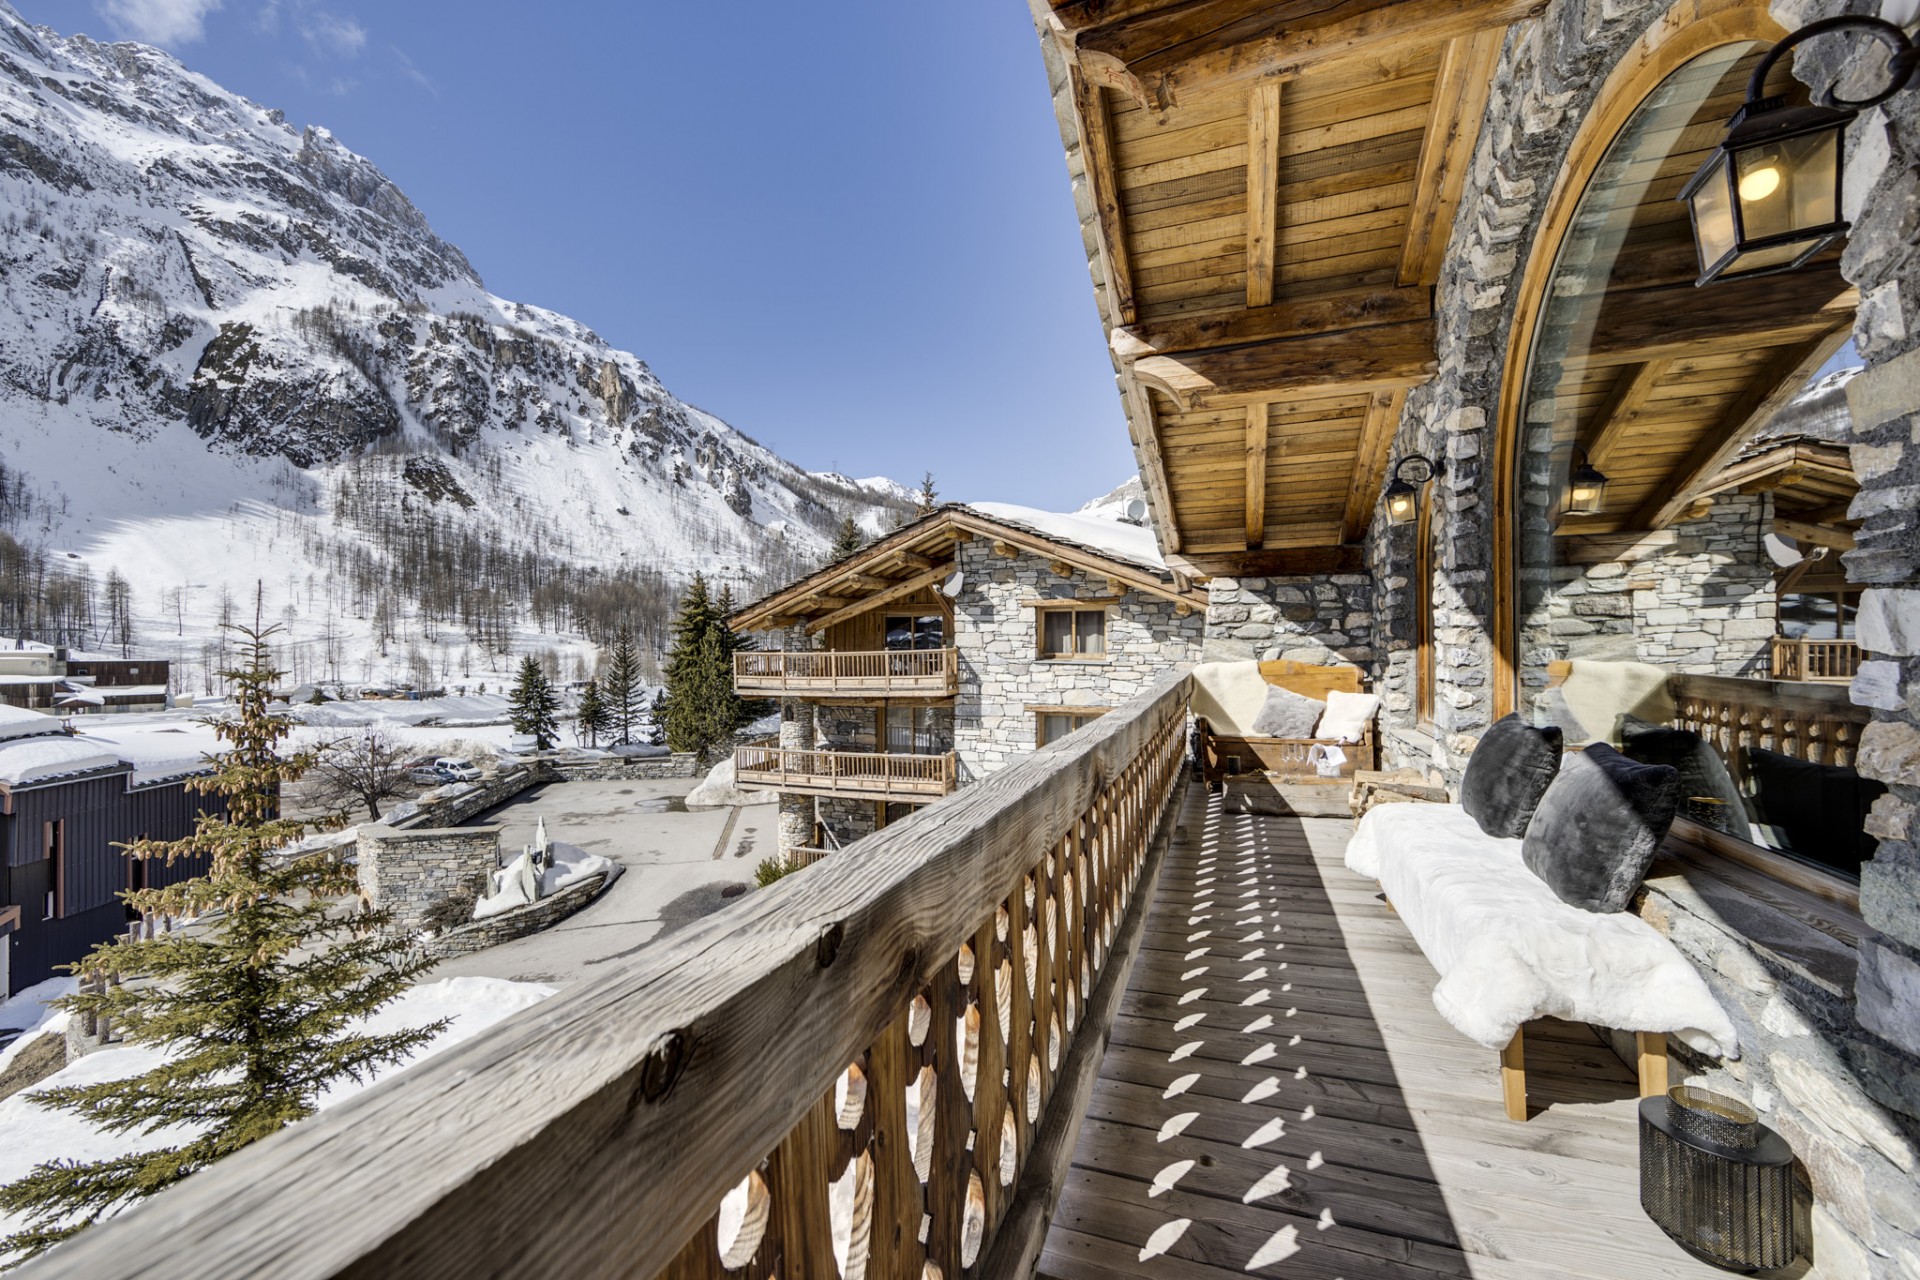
<point>61,681</point>
<point>941,653</point>
<point>67,804</point>
<point>1430,371</point>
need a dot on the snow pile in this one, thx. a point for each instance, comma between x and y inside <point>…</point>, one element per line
<point>31,1013</point>
<point>31,759</point>
<point>460,711</point>
<point>31,1134</point>
<point>511,883</point>
<point>155,752</point>
<point>1109,537</point>
<point>719,790</point>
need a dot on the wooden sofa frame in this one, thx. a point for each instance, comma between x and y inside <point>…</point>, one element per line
<point>1223,756</point>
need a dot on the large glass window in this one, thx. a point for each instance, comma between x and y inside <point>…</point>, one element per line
<point>923,631</point>
<point>1658,618</point>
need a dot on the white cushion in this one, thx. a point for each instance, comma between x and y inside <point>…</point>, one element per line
<point>1347,715</point>
<point>1228,695</point>
<point>1508,950</point>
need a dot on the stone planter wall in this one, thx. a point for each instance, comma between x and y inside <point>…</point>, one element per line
<point>408,871</point>
<point>518,922</point>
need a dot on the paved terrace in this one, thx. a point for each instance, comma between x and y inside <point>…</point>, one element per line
<point>1280,1097</point>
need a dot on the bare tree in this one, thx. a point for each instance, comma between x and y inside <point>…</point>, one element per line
<point>364,769</point>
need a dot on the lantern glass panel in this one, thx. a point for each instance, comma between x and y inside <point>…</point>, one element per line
<point>1403,504</point>
<point>1788,186</point>
<point>1713,216</point>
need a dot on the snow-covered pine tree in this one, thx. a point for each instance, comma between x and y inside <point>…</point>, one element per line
<point>257,1005</point>
<point>533,706</point>
<point>846,542</point>
<point>620,687</point>
<point>590,718</point>
<point>657,720</point>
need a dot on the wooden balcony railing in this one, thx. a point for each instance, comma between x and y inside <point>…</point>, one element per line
<point>1816,661</point>
<point>973,956</point>
<point>1813,722</point>
<point>891,673</point>
<point>872,775</point>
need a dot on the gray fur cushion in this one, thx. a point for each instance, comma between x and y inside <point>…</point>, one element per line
<point>1599,825</point>
<point>1507,774</point>
<point>1702,772</point>
<point>1286,714</point>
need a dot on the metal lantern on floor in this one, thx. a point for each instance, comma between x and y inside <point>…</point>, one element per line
<point>1717,1181</point>
<point>1768,198</point>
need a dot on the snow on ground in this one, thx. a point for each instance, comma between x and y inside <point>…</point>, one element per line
<point>32,1012</point>
<point>31,1134</point>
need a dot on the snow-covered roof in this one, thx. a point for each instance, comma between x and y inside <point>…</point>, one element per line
<point>24,760</point>
<point>18,722</point>
<point>156,754</point>
<point>1132,543</point>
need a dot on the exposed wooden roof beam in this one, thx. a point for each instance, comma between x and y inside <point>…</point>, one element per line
<point>1376,438</point>
<point>1680,320</point>
<point>1140,579</point>
<point>1820,535</point>
<point>1288,318</point>
<point>1256,474</point>
<point>1630,389</point>
<point>1154,55</point>
<point>1777,383</point>
<point>906,587</point>
<point>1097,160</point>
<point>1392,355</point>
<point>1263,190</point>
<point>1153,463</point>
<point>1446,152</point>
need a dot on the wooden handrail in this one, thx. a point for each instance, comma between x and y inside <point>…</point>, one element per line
<point>1813,722</point>
<point>596,1133</point>
<point>786,763</point>
<point>1800,658</point>
<point>815,670</point>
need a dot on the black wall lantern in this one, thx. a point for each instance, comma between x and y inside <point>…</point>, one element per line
<point>1586,488</point>
<point>1768,198</point>
<point>1403,495</point>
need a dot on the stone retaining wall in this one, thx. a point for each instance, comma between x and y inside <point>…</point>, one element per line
<point>408,871</point>
<point>517,922</point>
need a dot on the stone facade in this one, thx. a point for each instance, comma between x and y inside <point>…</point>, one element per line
<point>1830,1031</point>
<point>1001,674</point>
<point>1326,621</point>
<point>407,872</point>
<point>517,922</point>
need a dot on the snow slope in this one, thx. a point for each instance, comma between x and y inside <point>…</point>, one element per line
<point>231,348</point>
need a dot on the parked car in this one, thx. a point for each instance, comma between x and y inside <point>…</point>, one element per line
<point>453,769</point>
<point>425,775</point>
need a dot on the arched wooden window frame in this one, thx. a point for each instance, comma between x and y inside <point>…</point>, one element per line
<point>1680,35</point>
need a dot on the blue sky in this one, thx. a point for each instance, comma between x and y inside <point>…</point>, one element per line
<point>844,226</point>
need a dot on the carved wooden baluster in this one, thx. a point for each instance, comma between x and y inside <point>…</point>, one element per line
<point>1043,993</point>
<point>1025,1074</point>
<point>953,1123</point>
<point>798,1175</point>
<point>1060,953</point>
<point>898,1200</point>
<point>700,1258</point>
<point>989,1089</point>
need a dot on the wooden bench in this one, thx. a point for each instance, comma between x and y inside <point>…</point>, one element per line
<point>1284,761</point>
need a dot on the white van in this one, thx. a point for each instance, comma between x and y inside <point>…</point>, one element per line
<point>454,769</point>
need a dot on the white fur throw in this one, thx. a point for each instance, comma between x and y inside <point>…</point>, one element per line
<point>1508,950</point>
<point>1228,695</point>
<point>1601,694</point>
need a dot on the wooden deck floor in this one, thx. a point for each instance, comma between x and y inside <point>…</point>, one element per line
<point>1280,1097</point>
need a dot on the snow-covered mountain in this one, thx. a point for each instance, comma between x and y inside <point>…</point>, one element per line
<point>234,357</point>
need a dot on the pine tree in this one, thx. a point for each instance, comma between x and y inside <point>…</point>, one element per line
<point>620,687</point>
<point>847,542</point>
<point>590,719</point>
<point>927,500</point>
<point>732,642</point>
<point>257,1005</point>
<point>657,720</point>
<point>533,705</point>
<point>701,710</point>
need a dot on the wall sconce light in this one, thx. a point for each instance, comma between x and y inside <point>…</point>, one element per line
<point>1768,198</point>
<point>1403,494</point>
<point>1586,488</point>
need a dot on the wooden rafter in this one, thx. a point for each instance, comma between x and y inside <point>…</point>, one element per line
<point>1376,438</point>
<point>1096,145</point>
<point>1276,561</point>
<point>1777,383</point>
<point>1291,318</point>
<point>1154,56</point>
<point>905,587</point>
<point>1446,152</point>
<point>1820,535</point>
<point>1256,474</point>
<point>1630,389</point>
<point>1388,355</point>
<point>1263,190</point>
<point>1153,464</point>
<point>1680,320</point>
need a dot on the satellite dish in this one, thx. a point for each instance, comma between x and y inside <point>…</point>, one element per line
<point>1136,509</point>
<point>951,587</point>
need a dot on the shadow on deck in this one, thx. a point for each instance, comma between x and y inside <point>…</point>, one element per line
<point>1280,1097</point>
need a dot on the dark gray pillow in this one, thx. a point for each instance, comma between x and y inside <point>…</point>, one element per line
<point>1507,774</point>
<point>1703,774</point>
<point>1599,825</point>
<point>1286,714</point>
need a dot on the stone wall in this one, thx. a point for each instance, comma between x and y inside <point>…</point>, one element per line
<point>407,872</point>
<point>1001,676</point>
<point>1325,621</point>
<point>517,922</point>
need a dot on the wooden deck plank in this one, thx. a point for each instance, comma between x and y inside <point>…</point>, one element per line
<point>1279,1097</point>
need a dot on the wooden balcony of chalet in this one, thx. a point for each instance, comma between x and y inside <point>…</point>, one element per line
<point>1818,661</point>
<point>816,674</point>
<point>1075,1021</point>
<point>858,775</point>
